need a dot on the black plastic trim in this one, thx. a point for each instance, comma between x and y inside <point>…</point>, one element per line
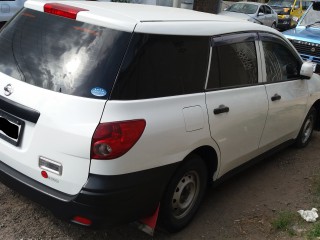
<point>252,162</point>
<point>16,180</point>
<point>19,110</point>
<point>234,38</point>
<point>106,200</point>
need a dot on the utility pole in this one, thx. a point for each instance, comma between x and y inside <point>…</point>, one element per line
<point>176,3</point>
<point>210,6</point>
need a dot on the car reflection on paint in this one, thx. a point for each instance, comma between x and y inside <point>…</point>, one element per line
<point>253,12</point>
<point>8,9</point>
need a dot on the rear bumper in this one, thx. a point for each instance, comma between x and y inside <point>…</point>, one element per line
<point>103,199</point>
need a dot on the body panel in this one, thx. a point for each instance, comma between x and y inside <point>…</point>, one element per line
<point>238,131</point>
<point>164,140</point>
<point>58,135</point>
<point>285,116</point>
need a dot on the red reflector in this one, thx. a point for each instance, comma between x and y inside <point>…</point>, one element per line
<point>112,140</point>
<point>44,174</point>
<point>82,220</point>
<point>62,10</point>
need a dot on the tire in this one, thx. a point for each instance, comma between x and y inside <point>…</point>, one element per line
<point>184,194</point>
<point>306,129</point>
<point>273,25</point>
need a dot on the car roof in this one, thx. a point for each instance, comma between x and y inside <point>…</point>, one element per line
<point>252,3</point>
<point>154,19</point>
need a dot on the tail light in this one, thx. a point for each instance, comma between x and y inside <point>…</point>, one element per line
<point>112,140</point>
<point>82,220</point>
<point>62,10</point>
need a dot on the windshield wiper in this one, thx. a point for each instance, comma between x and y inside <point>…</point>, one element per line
<point>309,25</point>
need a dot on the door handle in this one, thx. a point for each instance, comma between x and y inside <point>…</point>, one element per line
<point>275,97</point>
<point>221,109</point>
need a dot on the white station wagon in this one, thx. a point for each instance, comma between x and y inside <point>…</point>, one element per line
<point>111,113</point>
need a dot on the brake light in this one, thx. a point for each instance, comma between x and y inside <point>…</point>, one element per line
<point>112,140</point>
<point>62,10</point>
<point>82,220</point>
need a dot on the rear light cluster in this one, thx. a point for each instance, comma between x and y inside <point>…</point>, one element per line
<point>112,140</point>
<point>62,10</point>
<point>82,220</point>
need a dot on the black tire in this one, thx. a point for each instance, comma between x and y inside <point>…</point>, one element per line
<point>306,129</point>
<point>184,194</point>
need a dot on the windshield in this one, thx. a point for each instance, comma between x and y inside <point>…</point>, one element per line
<point>280,3</point>
<point>62,54</point>
<point>243,8</point>
<point>311,17</point>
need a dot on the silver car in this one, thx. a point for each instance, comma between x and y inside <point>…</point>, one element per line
<point>253,12</point>
<point>9,8</point>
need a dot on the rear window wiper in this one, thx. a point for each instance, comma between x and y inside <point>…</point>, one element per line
<point>309,25</point>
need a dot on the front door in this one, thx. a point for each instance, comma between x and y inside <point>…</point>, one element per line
<point>287,93</point>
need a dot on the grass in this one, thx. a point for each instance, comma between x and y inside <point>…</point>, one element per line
<point>314,232</point>
<point>284,221</point>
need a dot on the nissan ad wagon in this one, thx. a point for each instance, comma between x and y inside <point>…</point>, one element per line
<point>110,113</point>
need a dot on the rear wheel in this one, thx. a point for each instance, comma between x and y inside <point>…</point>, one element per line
<point>307,129</point>
<point>273,25</point>
<point>184,194</point>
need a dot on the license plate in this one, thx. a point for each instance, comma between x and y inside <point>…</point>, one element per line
<point>11,128</point>
<point>314,67</point>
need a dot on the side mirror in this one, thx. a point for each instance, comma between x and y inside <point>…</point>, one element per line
<point>307,70</point>
<point>260,14</point>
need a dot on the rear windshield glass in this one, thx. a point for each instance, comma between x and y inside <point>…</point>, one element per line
<point>61,54</point>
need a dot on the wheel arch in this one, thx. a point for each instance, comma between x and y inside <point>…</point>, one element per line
<point>210,157</point>
<point>316,105</point>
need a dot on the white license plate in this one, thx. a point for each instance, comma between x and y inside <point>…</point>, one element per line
<point>11,128</point>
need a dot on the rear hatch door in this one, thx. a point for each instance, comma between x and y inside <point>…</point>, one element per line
<point>56,75</point>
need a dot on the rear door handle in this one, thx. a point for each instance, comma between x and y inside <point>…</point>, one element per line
<point>275,97</point>
<point>221,109</point>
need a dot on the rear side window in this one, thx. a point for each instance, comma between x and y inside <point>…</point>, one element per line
<point>61,54</point>
<point>161,66</point>
<point>233,65</point>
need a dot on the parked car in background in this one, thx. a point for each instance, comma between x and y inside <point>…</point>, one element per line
<point>289,11</point>
<point>253,12</point>
<point>8,9</point>
<point>113,112</point>
<point>306,36</point>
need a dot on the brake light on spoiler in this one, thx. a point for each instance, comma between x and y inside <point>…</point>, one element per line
<point>62,10</point>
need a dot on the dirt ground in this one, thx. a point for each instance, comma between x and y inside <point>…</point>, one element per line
<point>241,208</point>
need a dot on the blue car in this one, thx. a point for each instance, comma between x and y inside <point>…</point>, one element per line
<point>306,36</point>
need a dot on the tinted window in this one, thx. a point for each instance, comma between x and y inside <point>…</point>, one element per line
<point>233,65</point>
<point>61,54</point>
<point>160,66</point>
<point>261,10</point>
<point>267,10</point>
<point>281,64</point>
<point>243,8</point>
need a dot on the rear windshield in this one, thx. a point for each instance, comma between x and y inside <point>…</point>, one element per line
<point>61,54</point>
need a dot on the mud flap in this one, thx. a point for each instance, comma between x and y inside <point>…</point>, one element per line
<point>148,224</point>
